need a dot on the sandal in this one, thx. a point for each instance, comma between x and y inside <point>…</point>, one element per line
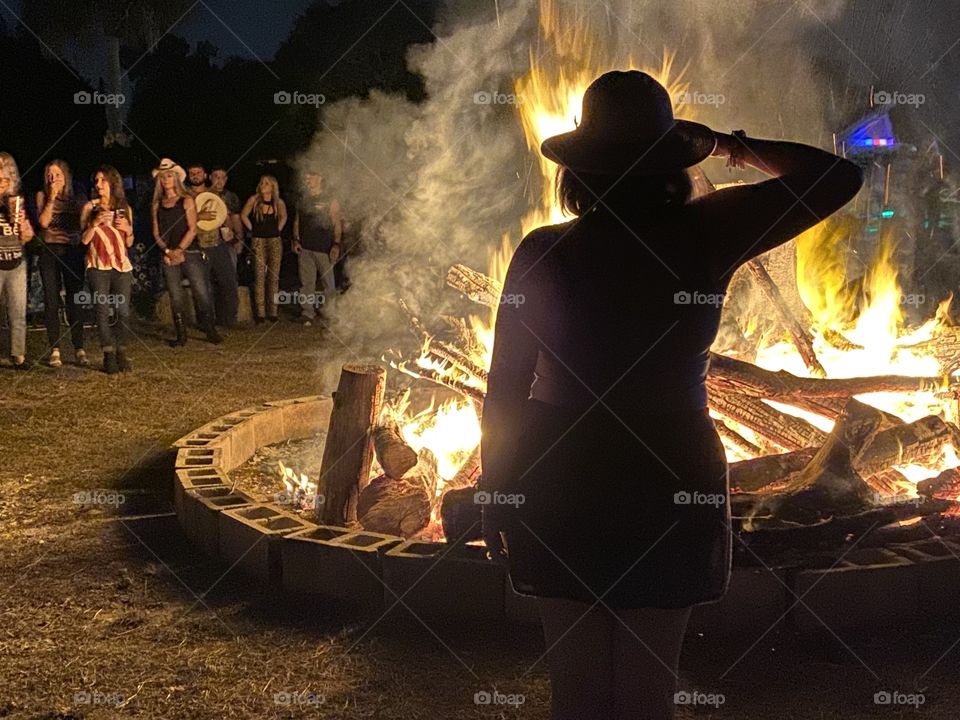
<point>55,360</point>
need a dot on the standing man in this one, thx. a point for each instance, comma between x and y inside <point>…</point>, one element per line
<point>219,237</point>
<point>317,236</point>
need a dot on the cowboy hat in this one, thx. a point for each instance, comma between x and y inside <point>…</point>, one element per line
<point>209,201</point>
<point>627,127</point>
<point>168,164</point>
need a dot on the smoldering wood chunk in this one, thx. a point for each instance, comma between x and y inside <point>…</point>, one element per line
<point>461,516</point>
<point>394,455</point>
<point>393,506</point>
<point>830,485</point>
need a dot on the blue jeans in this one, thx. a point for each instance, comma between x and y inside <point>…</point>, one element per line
<point>111,289</point>
<point>13,294</point>
<point>196,269</point>
<point>222,260</point>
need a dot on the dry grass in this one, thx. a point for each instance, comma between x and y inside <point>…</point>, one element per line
<point>100,602</point>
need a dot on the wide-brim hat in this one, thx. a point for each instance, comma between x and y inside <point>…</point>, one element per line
<point>168,164</point>
<point>627,127</point>
<point>210,201</point>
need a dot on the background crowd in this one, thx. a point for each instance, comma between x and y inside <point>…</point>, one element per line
<point>179,242</point>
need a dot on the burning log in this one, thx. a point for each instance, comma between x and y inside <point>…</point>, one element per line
<point>829,484</point>
<point>945,486</point>
<point>392,506</point>
<point>345,468</point>
<point>743,378</point>
<point>736,439</point>
<point>468,473</point>
<point>441,350</point>
<point>801,339</point>
<point>461,515</point>
<point>393,454</point>
<point>459,386</point>
<point>475,285</point>
<point>917,442</point>
<point>785,431</point>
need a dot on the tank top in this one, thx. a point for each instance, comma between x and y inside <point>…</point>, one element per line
<point>108,250</point>
<point>316,226</point>
<point>172,223</point>
<point>64,228</point>
<point>268,226</point>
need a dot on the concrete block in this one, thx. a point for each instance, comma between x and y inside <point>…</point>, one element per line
<point>872,586</point>
<point>191,457</point>
<point>440,580</point>
<point>187,478</point>
<point>338,563</point>
<point>250,539</point>
<point>938,562</point>
<point>519,608</point>
<point>756,599</point>
<point>202,509</point>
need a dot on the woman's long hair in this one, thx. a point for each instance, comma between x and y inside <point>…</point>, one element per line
<point>158,187</point>
<point>634,194</point>
<point>8,167</point>
<point>118,198</point>
<point>67,179</point>
<point>275,195</point>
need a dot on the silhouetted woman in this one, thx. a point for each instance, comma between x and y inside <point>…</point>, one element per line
<point>596,409</point>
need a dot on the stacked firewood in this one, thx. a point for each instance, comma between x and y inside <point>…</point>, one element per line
<point>795,472</point>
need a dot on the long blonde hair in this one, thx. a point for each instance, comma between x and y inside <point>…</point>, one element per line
<point>158,187</point>
<point>275,195</point>
<point>8,167</point>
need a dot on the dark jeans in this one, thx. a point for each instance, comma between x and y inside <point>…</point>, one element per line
<point>61,266</point>
<point>196,269</point>
<point>111,289</point>
<point>222,260</point>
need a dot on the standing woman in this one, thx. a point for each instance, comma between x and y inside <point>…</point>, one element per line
<point>265,216</point>
<point>596,408</point>
<point>62,258</point>
<point>174,231</point>
<point>107,223</point>
<point>15,232</point>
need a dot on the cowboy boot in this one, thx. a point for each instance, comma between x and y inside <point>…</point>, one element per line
<point>211,330</point>
<point>110,366</point>
<point>123,362</point>
<point>181,327</point>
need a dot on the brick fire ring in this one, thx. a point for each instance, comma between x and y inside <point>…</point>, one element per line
<point>370,571</point>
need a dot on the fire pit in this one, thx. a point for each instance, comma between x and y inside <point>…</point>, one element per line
<point>914,566</point>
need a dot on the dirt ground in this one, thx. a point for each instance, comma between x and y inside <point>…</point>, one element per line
<point>107,612</point>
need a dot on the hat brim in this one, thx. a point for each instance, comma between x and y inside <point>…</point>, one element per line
<point>179,171</point>
<point>683,146</point>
